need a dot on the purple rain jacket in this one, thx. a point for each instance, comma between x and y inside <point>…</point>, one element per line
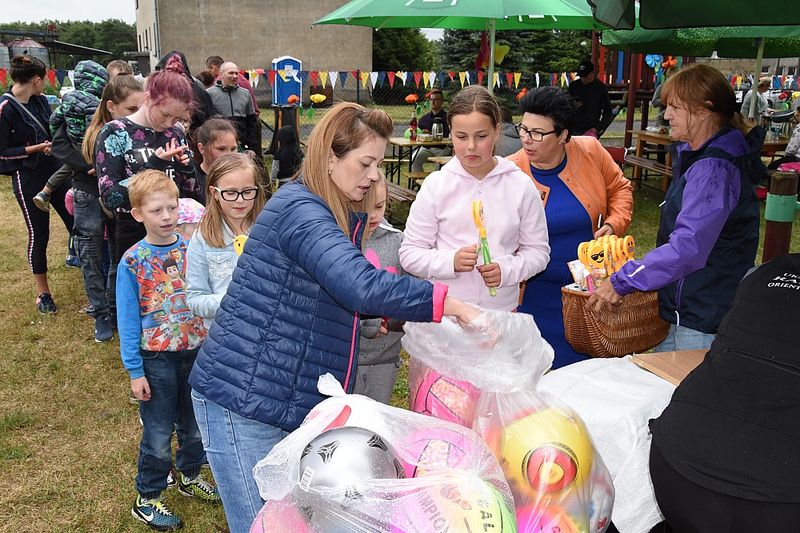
<point>708,232</point>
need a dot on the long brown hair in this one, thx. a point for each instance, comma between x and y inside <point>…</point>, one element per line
<point>116,90</point>
<point>700,86</point>
<point>344,128</point>
<point>211,225</point>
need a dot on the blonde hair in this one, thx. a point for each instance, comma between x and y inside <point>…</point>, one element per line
<point>148,182</point>
<point>344,128</point>
<point>700,86</point>
<point>116,90</point>
<point>213,219</point>
<point>371,198</point>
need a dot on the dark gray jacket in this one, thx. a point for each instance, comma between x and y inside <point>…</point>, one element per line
<point>236,104</point>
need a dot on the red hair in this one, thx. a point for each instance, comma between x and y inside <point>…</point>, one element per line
<point>170,83</point>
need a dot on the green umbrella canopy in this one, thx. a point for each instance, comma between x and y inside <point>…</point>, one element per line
<point>466,14</point>
<point>779,41</point>
<point>665,14</point>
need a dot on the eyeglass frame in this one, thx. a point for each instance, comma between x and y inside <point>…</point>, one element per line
<point>239,194</point>
<point>529,133</point>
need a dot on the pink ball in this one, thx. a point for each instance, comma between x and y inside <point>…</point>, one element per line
<point>279,516</point>
<point>433,448</point>
<point>545,519</point>
<point>444,398</point>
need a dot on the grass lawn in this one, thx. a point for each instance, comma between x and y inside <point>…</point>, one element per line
<point>68,436</point>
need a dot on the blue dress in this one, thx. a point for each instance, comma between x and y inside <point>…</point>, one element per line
<point>568,224</point>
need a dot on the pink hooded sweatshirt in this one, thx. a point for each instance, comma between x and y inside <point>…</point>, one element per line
<point>440,223</point>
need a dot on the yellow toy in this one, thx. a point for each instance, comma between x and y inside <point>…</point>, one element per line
<point>238,243</point>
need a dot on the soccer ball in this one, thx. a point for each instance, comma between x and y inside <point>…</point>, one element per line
<point>442,397</point>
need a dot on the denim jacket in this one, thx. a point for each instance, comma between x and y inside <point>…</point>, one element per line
<point>208,273</point>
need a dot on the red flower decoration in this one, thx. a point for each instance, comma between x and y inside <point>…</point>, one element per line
<point>412,99</point>
<point>522,93</point>
<point>293,99</point>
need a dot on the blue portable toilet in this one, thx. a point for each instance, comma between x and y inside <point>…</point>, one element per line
<point>282,90</point>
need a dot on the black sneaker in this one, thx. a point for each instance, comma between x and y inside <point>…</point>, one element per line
<point>42,201</point>
<point>45,304</point>
<point>102,329</point>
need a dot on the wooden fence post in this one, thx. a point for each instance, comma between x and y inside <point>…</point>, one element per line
<point>780,211</point>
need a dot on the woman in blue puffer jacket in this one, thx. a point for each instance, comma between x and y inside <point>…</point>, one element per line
<point>292,309</point>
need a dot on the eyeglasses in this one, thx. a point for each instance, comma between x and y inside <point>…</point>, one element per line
<point>231,195</point>
<point>533,135</point>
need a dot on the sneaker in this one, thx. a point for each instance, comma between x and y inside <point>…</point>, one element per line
<point>102,329</point>
<point>171,481</point>
<point>197,487</point>
<point>45,304</point>
<point>72,261</point>
<point>155,514</point>
<point>42,201</point>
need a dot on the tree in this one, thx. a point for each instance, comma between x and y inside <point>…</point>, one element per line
<point>402,49</point>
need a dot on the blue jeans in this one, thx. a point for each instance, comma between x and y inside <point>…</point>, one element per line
<point>169,408</point>
<point>90,223</point>
<point>682,338</point>
<point>234,445</point>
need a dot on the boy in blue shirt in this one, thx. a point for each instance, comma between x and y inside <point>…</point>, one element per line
<point>159,339</point>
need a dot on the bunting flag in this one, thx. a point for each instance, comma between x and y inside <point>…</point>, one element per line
<point>452,75</point>
<point>461,77</point>
<point>245,74</point>
<point>3,76</point>
<point>432,78</point>
<point>343,78</point>
<point>51,75</point>
<point>442,79</point>
<point>364,79</point>
<point>517,77</point>
<point>271,77</point>
<point>553,79</point>
<point>426,79</point>
<point>382,78</point>
<point>373,78</point>
<point>313,75</point>
<point>390,75</point>
<point>509,78</point>
<point>480,77</point>
<point>323,76</point>
<point>282,74</point>
<point>537,79</point>
<point>253,77</point>
<point>403,75</point>
<point>333,76</point>
<point>303,76</point>
<point>496,80</point>
<point>60,75</point>
<point>71,75</point>
<point>417,77</point>
<point>355,75</point>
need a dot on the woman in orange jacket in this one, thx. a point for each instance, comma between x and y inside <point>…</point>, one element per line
<point>585,196</point>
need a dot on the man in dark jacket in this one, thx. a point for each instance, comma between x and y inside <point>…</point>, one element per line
<point>591,98</point>
<point>235,103</point>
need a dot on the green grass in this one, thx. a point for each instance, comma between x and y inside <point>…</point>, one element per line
<point>68,436</point>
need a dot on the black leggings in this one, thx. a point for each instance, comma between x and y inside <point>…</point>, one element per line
<point>690,508</point>
<point>26,183</point>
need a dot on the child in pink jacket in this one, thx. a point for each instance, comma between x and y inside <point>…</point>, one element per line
<point>441,239</point>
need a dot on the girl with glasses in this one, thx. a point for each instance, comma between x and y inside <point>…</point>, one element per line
<point>234,202</point>
<point>585,196</point>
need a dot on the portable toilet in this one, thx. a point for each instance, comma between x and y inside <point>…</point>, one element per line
<point>284,88</point>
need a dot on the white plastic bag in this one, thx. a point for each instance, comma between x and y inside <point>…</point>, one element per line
<point>356,465</point>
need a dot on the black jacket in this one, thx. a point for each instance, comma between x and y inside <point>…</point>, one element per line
<point>18,130</point>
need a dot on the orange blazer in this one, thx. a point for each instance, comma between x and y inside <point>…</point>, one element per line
<point>595,180</point>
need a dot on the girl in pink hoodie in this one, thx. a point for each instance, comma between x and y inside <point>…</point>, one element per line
<point>441,239</point>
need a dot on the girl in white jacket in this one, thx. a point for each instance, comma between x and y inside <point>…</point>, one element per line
<point>233,201</point>
<point>441,239</point>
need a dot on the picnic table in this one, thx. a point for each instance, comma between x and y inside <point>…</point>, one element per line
<point>402,150</point>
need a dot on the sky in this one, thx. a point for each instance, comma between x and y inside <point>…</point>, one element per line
<point>94,10</point>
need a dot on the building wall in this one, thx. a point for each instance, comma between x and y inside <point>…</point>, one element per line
<point>146,28</point>
<point>253,32</point>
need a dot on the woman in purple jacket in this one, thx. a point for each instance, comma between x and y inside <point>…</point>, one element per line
<point>708,235</point>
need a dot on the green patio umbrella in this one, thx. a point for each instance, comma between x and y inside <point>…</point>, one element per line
<point>727,41</point>
<point>665,14</point>
<point>488,15</point>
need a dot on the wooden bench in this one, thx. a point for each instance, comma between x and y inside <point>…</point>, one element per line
<point>400,194</point>
<point>651,164</point>
<point>414,178</point>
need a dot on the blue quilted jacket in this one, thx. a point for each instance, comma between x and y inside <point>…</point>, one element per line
<point>291,312</point>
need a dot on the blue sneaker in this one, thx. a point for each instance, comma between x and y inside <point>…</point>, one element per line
<point>45,304</point>
<point>155,514</point>
<point>73,261</point>
<point>102,329</point>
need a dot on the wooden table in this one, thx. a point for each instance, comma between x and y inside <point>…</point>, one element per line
<point>644,137</point>
<point>403,149</point>
<point>440,160</point>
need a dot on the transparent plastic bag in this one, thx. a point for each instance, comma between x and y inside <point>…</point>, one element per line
<point>558,480</point>
<point>357,465</point>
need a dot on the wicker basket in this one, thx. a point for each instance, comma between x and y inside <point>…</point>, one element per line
<point>633,326</point>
